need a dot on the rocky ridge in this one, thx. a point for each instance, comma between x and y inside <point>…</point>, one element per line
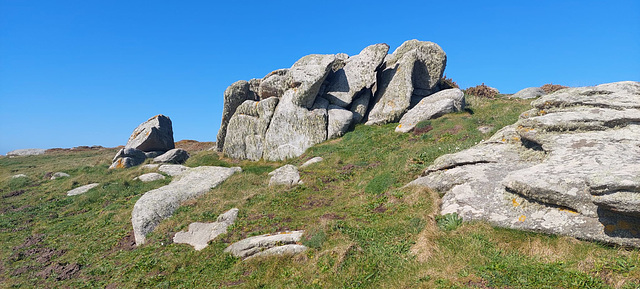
<point>568,166</point>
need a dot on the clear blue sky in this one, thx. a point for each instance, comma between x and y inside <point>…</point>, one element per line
<point>88,72</point>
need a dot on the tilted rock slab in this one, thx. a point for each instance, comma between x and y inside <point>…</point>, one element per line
<point>199,234</point>
<point>159,204</point>
<point>570,166</point>
<point>247,129</point>
<point>311,162</point>
<point>234,96</point>
<point>155,134</point>
<point>255,245</point>
<point>358,73</point>
<point>173,170</point>
<point>339,121</point>
<point>412,71</point>
<point>432,106</point>
<point>82,190</point>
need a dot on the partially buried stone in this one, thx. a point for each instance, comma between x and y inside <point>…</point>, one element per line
<point>59,175</point>
<point>199,234</point>
<point>174,156</point>
<point>82,190</point>
<point>150,177</point>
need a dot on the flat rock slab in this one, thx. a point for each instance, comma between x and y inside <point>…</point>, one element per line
<point>159,204</point>
<point>18,176</point>
<point>199,234</point>
<point>311,162</point>
<point>82,190</point>
<point>290,249</point>
<point>26,152</point>
<point>286,175</point>
<point>570,166</point>
<point>255,245</point>
<point>150,177</point>
<point>173,170</point>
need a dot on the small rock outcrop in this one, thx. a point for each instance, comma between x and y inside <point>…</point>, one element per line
<point>150,139</point>
<point>199,234</point>
<point>18,176</point>
<point>81,190</point>
<point>568,166</point>
<point>286,175</point>
<point>26,152</point>
<point>529,92</point>
<point>432,106</point>
<point>268,244</point>
<point>174,156</point>
<point>59,175</point>
<point>321,97</point>
<point>158,204</point>
<point>150,177</point>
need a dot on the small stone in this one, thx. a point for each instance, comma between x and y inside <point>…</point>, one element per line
<point>81,190</point>
<point>174,156</point>
<point>150,177</point>
<point>19,176</point>
<point>254,245</point>
<point>529,92</point>
<point>311,161</point>
<point>59,175</point>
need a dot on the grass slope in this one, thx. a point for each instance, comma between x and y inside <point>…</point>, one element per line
<point>363,229</point>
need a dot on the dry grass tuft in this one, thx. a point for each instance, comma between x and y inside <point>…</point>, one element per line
<point>550,87</point>
<point>194,146</point>
<point>482,91</point>
<point>426,245</point>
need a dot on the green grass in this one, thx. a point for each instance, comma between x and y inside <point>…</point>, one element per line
<point>363,229</point>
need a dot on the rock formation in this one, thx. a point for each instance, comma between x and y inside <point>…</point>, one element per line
<point>26,152</point>
<point>323,96</point>
<point>569,166</point>
<point>150,139</point>
<point>158,204</point>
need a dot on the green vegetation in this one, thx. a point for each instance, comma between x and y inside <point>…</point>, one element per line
<point>364,230</point>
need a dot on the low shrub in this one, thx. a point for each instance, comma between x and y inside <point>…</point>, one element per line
<point>550,87</point>
<point>482,91</point>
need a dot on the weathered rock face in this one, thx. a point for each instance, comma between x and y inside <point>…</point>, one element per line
<point>254,245</point>
<point>339,121</point>
<point>158,204</point>
<point>413,70</point>
<point>529,92</point>
<point>234,95</point>
<point>155,134</point>
<point>358,73</point>
<point>432,106</point>
<point>199,234</point>
<point>293,129</point>
<point>174,156</point>
<point>247,129</point>
<point>569,166</point>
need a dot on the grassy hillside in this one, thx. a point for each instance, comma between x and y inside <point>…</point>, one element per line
<point>363,229</point>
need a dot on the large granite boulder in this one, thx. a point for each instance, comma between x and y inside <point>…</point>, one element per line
<point>569,166</point>
<point>358,73</point>
<point>432,106</point>
<point>287,175</point>
<point>274,84</point>
<point>412,71</point>
<point>247,129</point>
<point>160,203</point>
<point>155,134</point>
<point>234,96</point>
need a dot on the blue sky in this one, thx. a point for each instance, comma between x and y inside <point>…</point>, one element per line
<point>88,72</point>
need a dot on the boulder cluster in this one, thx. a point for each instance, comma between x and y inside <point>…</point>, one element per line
<point>151,139</point>
<point>568,166</point>
<point>323,96</point>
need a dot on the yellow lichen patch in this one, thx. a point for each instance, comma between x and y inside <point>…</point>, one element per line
<point>119,164</point>
<point>504,140</point>
<point>400,125</point>
<point>542,112</point>
<point>515,138</point>
<point>515,202</point>
<point>568,211</point>
<point>522,218</point>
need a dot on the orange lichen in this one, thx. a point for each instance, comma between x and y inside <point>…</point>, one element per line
<point>515,202</point>
<point>568,211</point>
<point>522,218</point>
